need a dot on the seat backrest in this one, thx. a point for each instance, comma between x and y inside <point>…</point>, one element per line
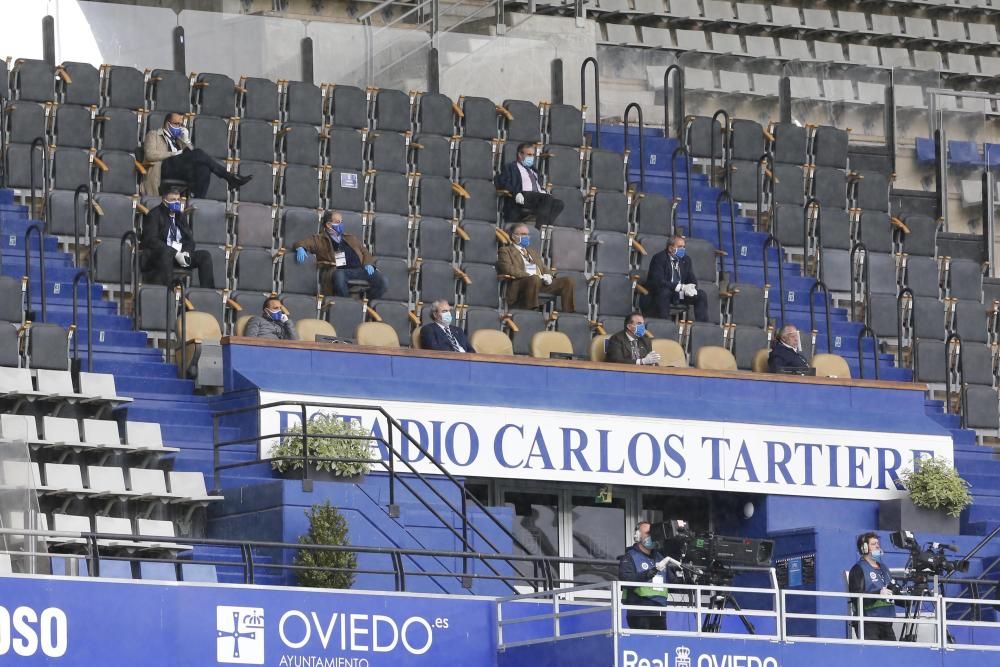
<point>187,483</point>
<point>598,347</point>
<point>105,478</point>
<point>13,380</point>
<point>831,365</point>
<point>101,432</point>
<point>759,364</point>
<point>155,528</point>
<point>97,384</point>
<point>377,334</point>
<point>63,476</point>
<point>147,480</point>
<point>715,358</point>
<point>71,523</point>
<point>61,429</point>
<point>18,427</point>
<point>491,341</point>
<point>48,347</point>
<point>671,353</point>
<point>310,328</point>
<point>201,326</point>
<point>143,434</point>
<point>544,343</point>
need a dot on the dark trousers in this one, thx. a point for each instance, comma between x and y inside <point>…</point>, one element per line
<point>158,265</point>
<point>523,292</point>
<point>657,304</point>
<point>543,206</point>
<point>879,631</point>
<point>340,277</point>
<point>646,621</point>
<point>195,167</point>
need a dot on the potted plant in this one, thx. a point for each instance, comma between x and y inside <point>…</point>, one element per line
<point>327,526</point>
<point>355,445</point>
<point>938,494</point>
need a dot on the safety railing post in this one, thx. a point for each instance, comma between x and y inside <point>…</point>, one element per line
<point>591,60</point>
<point>725,146</point>
<point>40,229</point>
<point>82,189</point>
<point>130,238</point>
<point>859,250</point>
<point>680,150</point>
<point>38,142</point>
<point>771,242</point>
<point>818,286</point>
<point>83,274</point>
<point>957,340</point>
<point>642,140</point>
<point>867,332</point>
<point>678,100</point>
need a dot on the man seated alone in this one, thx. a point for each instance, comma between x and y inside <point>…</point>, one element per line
<point>168,244</point>
<point>787,351</point>
<point>671,281</point>
<point>171,155</point>
<point>342,258</point>
<point>530,275</point>
<point>439,334</point>
<point>272,324</point>
<point>630,345</point>
<point>528,196</point>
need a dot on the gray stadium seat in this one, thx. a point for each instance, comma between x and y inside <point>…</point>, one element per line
<point>480,118</point>
<point>347,107</point>
<point>33,80</point>
<point>392,111</point>
<point>391,193</point>
<point>981,407</point>
<point>83,86</point>
<point>215,95</point>
<point>432,156</point>
<point>436,115</point>
<point>965,279</point>
<point>125,87</point>
<point>303,103</point>
<point>258,99</point>
<point>256,140</point>
<point>169,91</point>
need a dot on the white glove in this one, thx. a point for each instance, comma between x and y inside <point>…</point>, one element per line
<point>519,198</point>
<point>680,288</point>
<point>547,278</point>
<point>183,258</point>
<point>650,359</point>
<point>284,318</point>
<point>885,592</point>
<point>690,290</point>
<point>185,136</point>
<point>661,565</point>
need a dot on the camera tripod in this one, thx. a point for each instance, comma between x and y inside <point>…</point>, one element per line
<point>721,601</point>
<point>912,608</point>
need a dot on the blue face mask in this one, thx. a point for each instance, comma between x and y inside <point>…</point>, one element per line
<point>446,318</point>
<point>640,330</point>
<point>336,230</point>
<point>679,253</point>
<point>524,241</point>
<point>175,131</point>
<point>876,555</point>
<point>650,543</point>
<point>274,315</point>
<point>529,161</point>
<point>174,206</point>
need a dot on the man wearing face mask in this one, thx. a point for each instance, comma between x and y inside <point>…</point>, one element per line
<point>869,575</point>
<point>529,274</point>
<point>439,334</point>
<point>630,345</point>
<point>671,281</point>
<point>272,324</point>
<point>643,563</point>
<point>171,155</point>
<point>342,258</point>
<point>528,196</point>
<point>168,242</point>
<point>787,351</point>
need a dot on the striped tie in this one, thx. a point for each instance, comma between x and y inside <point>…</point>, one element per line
<point>451,339</point>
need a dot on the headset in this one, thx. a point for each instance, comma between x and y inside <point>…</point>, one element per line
<point>863,542</point>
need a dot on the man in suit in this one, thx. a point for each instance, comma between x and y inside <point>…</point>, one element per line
<point>342,258</point>
<point>671,280</point>
<point>529,274</point>
<point>171,155</point>
<point>440,335</point>
<point>528,196</point>
<point>167,241</point>
<point>787,351</point>
<point>630,345</point>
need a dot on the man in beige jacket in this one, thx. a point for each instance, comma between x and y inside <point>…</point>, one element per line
<point>171,155</point>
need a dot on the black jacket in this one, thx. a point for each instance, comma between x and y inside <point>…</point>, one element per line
<point>659,278</point>
<point>619,350</point>
<point>783,356</point>
<point>509,179</point>
<point>156,226</point>
<point>432,338</point>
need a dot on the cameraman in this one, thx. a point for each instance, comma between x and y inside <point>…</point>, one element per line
<point>643,563</point>
<point>870,576</point>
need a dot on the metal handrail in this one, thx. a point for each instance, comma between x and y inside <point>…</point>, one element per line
<point>765,164</point>
<point>858,247</point>
<point>953,338</point>
<point>642,141</point>
<point>912,328</point>
<point>771,242</point>
<point>393,476</point>
<point>673,186</point>
<point>726,139</point>
<point>732,229</point>
<point>678,100</point>
<point>38,142</point>
<point>80,274</point>
<point>867,332</point>
<point>591,60</point>
<point>819,285</point>
<point>40,228</point>
<point>133,240</point>
<point>811,205</point>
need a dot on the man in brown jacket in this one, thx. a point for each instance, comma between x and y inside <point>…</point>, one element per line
<point>342,258</point>
<point>170,154</point>
<point>530,275</point>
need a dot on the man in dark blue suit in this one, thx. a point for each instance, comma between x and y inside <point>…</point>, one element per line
<point>671,280</point>
<point>528,196</point>
<point>787,351</point>
<point>438,334</point>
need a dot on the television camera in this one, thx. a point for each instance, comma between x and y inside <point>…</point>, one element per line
<point>926,562</point>
<point>707,558</point>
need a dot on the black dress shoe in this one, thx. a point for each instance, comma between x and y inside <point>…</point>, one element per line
<point>237,182</point>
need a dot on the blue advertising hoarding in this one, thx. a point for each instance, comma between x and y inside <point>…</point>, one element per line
<point>88,622</point>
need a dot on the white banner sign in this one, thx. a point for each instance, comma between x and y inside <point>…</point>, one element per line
<point>515,443</point>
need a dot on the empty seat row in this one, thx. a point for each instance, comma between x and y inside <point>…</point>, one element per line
<point>83,435</point>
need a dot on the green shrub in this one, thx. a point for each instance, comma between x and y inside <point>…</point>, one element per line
<point>328,424</point>
<point>326,526</point>
<point>934,484</point>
